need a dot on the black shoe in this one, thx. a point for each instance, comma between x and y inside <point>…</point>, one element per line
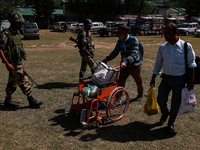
<point>34,103</point>
<point>138,98</point>
<point>163,118</point>
<point>170,129</point>
<point>11,104</point>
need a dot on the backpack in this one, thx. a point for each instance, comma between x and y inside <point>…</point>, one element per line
<point>141,49</point>
<point>197,69</point>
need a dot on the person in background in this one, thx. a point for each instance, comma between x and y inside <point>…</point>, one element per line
<point>171,58</point>
<point>86,48</point>
<point>162,30</point>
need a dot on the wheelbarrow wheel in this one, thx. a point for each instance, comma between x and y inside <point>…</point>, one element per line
<point>117,104</point>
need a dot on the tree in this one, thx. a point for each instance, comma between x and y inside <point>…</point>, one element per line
<point>14,3</point>
<point>95,9</point>
<point>5,9</point>
<point>57,4</point>
<point>43,9</point>
<point>192,7</point>
<point>176,3</point>
<point>138,7</point>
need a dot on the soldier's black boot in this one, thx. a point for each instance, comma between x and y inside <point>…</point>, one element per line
<point>9,104</point>
<point>34,103</point>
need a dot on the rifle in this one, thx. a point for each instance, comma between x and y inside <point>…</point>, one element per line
<point>75,41</point>
<point>29,77</point>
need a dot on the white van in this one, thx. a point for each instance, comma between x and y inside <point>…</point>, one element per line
<point>96,26</point>
<point>69,24</point>
<point>187,28</point>
<point>4,24</point>
<point>60,26</point>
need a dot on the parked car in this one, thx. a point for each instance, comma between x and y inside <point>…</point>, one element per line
<point>69,24</point>
<point>31,30</point>
<point>96,26</point>
<point>187,28</point>
<point>60,26</point>
<point>197,32</point>
<point>110,28</point>
<point>73,27</point>
<point>79,27</point>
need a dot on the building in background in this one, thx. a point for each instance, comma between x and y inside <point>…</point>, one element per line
<point>30,16</point>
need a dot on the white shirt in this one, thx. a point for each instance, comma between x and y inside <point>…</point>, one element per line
<point>171,58</point>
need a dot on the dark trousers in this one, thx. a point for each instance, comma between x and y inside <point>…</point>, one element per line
<point>174,84</point>
<point>136,73</point>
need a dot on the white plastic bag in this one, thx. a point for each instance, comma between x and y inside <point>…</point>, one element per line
<point>104,74</point>
<point>188,101</point>
<point>100,72</point>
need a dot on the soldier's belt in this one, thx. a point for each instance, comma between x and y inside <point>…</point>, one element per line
<point>18,46</point>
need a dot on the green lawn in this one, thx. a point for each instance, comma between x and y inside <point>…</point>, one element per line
<point>54,64</point>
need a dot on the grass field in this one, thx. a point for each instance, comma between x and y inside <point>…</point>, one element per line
<point>54,64</point>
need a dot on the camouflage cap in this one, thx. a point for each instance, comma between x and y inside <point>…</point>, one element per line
<point>16,17</point>
<point>88,22</point>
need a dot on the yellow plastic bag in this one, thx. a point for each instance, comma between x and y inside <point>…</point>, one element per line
<point>151,105</point>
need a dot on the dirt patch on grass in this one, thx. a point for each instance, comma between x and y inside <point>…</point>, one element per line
<point>64,45</point>
<point>105,45</point>
<point>68,46</point>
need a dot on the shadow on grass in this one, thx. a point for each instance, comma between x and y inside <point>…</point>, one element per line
<point>2,108</point>
<point>57,85</point>
<point>135,131</point>
<point>69,123</point>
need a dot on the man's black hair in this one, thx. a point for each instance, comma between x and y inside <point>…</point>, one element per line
<point>124,28</point>
<point>173,26</point>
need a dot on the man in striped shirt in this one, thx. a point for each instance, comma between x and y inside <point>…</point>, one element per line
<point>131,60</point>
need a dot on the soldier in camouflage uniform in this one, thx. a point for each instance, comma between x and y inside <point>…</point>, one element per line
<point>12,54</point>
<point>86,48</point>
